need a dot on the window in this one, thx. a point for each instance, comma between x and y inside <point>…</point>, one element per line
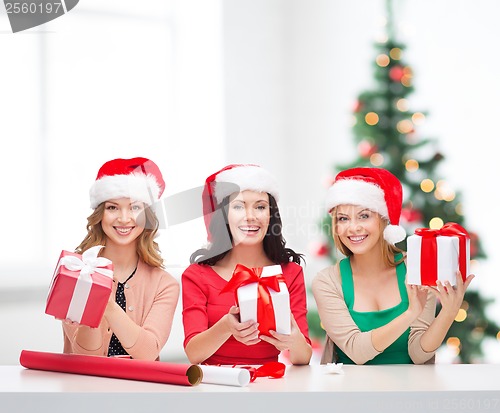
<point>107,80</point>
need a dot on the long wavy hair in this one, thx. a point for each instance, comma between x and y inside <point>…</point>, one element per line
<point>387,250</point>
<point>147,249</point>
<point>222,239</point>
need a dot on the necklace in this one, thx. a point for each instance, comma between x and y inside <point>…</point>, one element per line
<point>129,277</point>
<point>116,278</point>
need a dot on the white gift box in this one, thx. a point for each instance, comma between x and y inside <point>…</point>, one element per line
<point>248,296</point>
<point>442,266</point>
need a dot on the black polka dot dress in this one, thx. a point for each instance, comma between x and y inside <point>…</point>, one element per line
<point>115,347</point>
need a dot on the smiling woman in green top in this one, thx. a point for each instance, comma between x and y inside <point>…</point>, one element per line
<point>369,313</point>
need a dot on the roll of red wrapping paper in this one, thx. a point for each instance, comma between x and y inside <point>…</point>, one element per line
<point>114,367</point>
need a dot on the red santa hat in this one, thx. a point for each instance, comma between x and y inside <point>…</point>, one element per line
<point>235,178</point>
<point>139,179</point>
<point>374,188</point>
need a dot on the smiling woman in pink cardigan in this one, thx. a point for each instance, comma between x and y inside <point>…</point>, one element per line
<point>138,317</point>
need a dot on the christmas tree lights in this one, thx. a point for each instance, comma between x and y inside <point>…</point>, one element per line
<point>386,134</point>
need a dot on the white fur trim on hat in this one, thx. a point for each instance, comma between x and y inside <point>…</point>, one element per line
<point>248,177</point>
<point>138,187</point>
<point>357,192</point>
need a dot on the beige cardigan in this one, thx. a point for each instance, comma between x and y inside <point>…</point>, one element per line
<point>341,328</point>
<point>151,296</point>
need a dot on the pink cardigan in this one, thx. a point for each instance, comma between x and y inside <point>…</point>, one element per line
<point>151,296</point>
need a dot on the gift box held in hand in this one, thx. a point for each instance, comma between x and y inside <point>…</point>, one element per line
<point>437,254</point>
<point>262,296</point>
<point>80,287</point>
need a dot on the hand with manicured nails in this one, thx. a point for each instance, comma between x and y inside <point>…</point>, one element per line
<point>247,332</point>
<point>284,341</point>
<point>450,297</point>
<point>417,297</point>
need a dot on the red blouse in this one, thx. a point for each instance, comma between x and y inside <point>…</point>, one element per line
<point>203,307</point>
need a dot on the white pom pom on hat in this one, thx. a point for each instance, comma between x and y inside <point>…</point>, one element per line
<point>138,178</point>
<point>374,188</point>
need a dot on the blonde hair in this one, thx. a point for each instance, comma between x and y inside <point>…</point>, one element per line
<point>386,249</point>
<point>147,249</point>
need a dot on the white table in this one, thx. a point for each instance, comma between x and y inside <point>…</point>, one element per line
<point>368,389</point>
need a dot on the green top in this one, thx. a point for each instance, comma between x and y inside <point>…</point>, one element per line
<point>397,352</point>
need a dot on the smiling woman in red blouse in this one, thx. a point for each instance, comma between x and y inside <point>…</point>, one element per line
<point>244,227</point>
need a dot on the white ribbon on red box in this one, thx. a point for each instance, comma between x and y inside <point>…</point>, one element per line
<point>89,264</point>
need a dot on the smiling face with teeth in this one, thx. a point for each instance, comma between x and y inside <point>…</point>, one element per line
<point>357,228</point>
<point>248,217</point>
<point>123,221</point>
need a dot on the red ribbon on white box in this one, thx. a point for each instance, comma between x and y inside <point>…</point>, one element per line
<point>431,253</point>
<point>89,264</point>
<point>268,286</point>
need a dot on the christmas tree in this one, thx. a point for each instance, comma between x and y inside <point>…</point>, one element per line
<point>386,134</point>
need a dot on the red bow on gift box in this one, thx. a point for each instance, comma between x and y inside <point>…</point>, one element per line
<point>429,249</point>
<point>265,311</point>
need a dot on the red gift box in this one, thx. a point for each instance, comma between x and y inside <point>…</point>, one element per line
<point>262,295</point>
<point>437,254</point>
<point>80,287</point>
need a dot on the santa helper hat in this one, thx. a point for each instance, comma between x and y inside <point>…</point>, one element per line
<point>139,179</point>
<point>234,178</point>
<point>374,188</point>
